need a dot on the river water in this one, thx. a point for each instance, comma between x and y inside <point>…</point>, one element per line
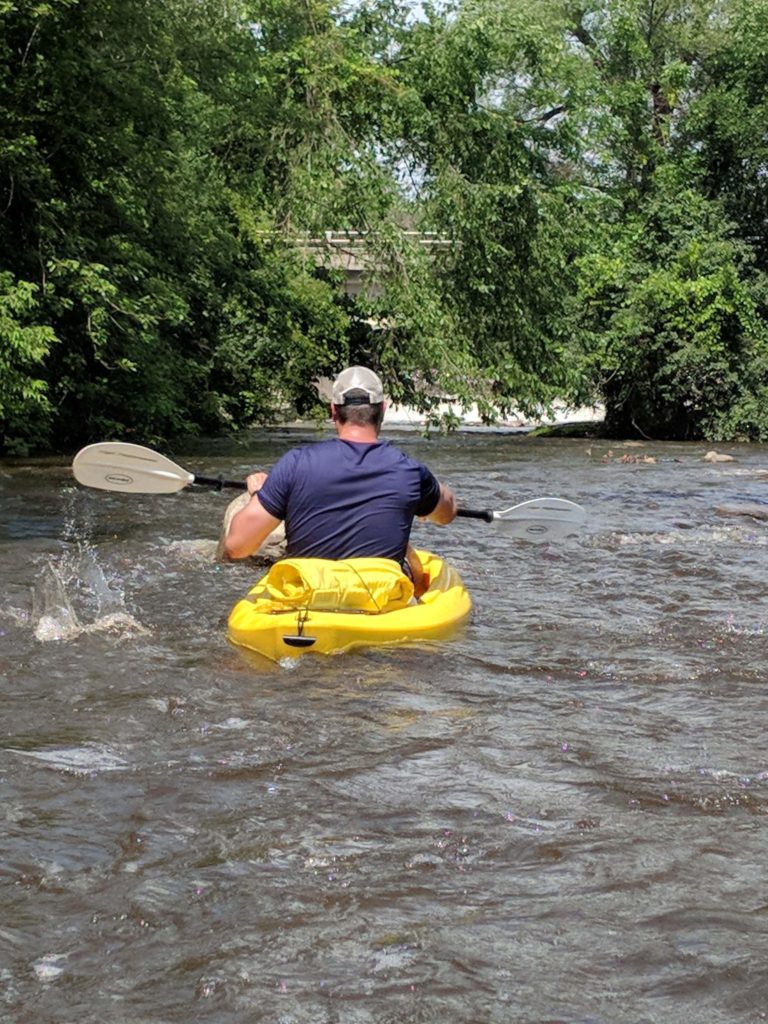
<point>559,816</point>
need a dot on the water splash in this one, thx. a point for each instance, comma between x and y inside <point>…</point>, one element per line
<point>74,596</point>
<point>52,612</point>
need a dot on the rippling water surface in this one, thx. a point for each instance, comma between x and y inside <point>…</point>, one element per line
<point>560,816</point>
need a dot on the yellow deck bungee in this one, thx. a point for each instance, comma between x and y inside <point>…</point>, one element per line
<point>312,604</point>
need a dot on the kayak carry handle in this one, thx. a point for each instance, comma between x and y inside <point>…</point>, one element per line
<point>299,641</point>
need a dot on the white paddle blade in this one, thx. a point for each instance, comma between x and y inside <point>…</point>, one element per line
<point>115,466</point>
<point>542,519</point>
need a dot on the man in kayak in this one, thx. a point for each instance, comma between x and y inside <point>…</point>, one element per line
<point>348,497</point>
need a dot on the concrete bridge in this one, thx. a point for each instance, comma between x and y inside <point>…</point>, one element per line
<point>347,251</point>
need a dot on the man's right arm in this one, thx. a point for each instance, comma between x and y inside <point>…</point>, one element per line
<point>444,511</point>
<point>252,524</point>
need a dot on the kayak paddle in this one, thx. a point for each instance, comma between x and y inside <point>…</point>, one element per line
<point>134,469</point>
<point>537,520</point>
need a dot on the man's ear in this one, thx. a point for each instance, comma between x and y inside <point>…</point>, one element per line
<point>334,417</point>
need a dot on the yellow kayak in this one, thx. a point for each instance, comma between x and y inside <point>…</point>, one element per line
<point>301,606</point>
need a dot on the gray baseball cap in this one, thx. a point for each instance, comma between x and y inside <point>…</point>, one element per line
<point>357,385</point>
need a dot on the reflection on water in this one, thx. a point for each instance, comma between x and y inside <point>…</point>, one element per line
<point>560,816</point>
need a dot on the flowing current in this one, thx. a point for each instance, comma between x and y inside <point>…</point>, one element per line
<point>559,816</point>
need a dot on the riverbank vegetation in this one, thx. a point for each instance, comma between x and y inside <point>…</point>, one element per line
<point>599,172</point>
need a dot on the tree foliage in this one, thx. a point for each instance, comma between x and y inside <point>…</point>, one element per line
<point>670,325</point>
<point>596,173</point>
<point>669,308</point>
<point>483,132</point>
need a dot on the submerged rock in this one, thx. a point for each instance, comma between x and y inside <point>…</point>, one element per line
<point>752,511</point>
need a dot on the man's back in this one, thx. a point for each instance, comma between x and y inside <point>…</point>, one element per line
<point>354,496</point>
<point>347,499</point>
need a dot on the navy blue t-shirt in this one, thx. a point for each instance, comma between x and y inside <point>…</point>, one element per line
<point>347,499</point>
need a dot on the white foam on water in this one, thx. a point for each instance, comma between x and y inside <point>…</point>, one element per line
<point>201,551</point>
<point>49,967</point>
<point>118,622</point>
<point>230,724</point>
<point>756,536</point>
<point>533,824</point>
<point>85,760</point>
<point>51,627</point>
<point>17,616</point>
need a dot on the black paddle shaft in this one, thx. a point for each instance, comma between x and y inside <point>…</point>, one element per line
<point>473,513</point>
<point>219,483</point>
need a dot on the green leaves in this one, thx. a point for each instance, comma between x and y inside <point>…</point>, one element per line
<point>594,175</point>
<point>670,322</point>
<point>24,402</point>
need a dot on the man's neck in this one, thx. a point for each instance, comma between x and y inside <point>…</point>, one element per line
<point>353,432</point>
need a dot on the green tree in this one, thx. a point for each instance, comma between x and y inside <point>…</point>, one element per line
<point>486,146</point>
<point>24,405</point>
<point>162,161</point>
<point>667,310</point>
<point>726,127</point>
<point>594,174</point>
<point>671,325</point>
